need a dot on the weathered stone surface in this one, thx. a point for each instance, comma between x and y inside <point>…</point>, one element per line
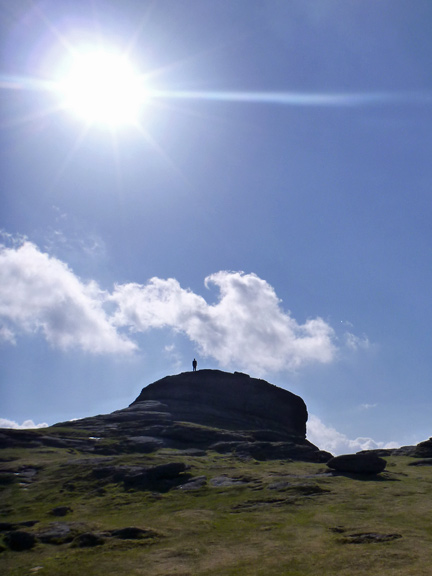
<point>19,540</point>
<point>12,438</point>
<point>194,483</point>
<point>56,533</point>
<point>225,482</point>
<point>229,401</point>
<point>369,538</point>
<point>357,463</point>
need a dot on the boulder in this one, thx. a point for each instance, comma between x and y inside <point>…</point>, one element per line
<point>159,478</point>
<point>424,449</point>
<point>357,464</point>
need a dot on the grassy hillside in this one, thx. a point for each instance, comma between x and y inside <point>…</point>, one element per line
<point>226,516</point>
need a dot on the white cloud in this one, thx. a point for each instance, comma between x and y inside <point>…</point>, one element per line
<point>329,439</point>
<point>5,423</point>
<point>39,293</point>
<point>246,328</point>
<point>355,342</point>
<point>7,335</point>
<point>367,406</point>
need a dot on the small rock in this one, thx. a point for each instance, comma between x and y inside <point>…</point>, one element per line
<point>60,511</point>
<point>19,540</point>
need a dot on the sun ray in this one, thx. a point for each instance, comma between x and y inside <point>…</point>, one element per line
<point>301,99</point>
<point>117,163</point>
<point>161,152</point>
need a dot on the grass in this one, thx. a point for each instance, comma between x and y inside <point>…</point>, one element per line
<point>287,518</point>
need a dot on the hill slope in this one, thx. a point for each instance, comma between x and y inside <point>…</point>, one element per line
<point>140,491</point>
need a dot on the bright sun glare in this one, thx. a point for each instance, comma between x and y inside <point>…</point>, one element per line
<point>102,87</point>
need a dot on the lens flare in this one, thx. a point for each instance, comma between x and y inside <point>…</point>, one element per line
<point>102,87</point>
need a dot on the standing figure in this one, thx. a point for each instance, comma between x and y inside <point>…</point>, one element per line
<point>194,365</point>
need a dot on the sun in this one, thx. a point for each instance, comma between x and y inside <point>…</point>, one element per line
<point>102,87</point>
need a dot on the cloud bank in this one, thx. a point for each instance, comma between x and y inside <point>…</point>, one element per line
<point>329,439</point>
<point>39,293</point>
<point>27,424</point>
<point>246,328</point>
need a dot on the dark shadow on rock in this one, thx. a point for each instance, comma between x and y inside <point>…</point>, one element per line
<point>60,511</point>
<point>19,540</point>
<point>133,533</point>
<point>87,540</point>
<point>161,478</point>
<point>424,462</point>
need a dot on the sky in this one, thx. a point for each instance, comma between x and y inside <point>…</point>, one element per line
<point>247,183</point>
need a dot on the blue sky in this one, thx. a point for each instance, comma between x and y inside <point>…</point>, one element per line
<point>267,210</point>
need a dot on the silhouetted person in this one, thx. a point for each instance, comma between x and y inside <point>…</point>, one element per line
<point>194,364</point>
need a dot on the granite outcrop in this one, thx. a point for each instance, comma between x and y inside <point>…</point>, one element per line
<point>192,411</point>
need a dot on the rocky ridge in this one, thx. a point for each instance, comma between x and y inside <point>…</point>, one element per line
<point>193,411</point>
